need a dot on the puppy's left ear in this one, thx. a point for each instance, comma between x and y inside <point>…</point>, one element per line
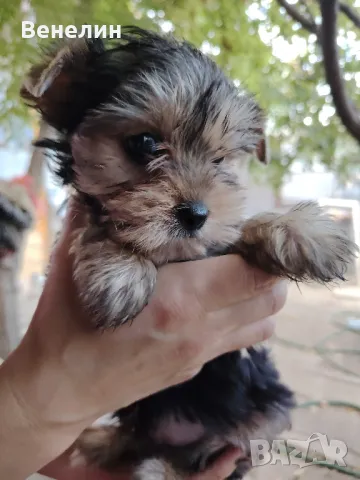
<point>58,86</point>
<point>262,150</point>
<point>262,146</point>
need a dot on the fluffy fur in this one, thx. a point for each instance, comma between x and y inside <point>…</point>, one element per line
<point>103,99</point>
<point>16,215</point>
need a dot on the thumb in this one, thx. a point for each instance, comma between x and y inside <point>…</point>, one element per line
<point>223,467</point>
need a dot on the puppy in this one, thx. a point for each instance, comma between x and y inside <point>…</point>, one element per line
<point>155,140</point>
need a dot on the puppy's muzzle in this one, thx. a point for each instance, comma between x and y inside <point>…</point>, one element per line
<point>191,215</point>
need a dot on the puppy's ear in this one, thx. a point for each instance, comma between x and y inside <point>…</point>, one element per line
<point>57,86</point>
<point>262,151</point>
<point>262,146</point>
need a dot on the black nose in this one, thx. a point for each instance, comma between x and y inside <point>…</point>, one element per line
<point>192,215</point>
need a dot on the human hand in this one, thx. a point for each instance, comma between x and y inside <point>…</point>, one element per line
<point>65,374</point>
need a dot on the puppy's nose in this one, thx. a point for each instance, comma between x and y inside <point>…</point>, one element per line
<point>192,215</point>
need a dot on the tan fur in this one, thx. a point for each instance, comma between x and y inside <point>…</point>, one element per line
<point>104,272</point>
<point>156,469</point>
<point>303,244</point>
<point>98,445</point>
<point>100,165</point>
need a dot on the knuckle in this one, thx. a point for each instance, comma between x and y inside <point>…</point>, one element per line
<point>276,297</point>
<point>267,329</point>
<point>273,302</point>
<point>188,353</point>
<point>259,280</point>
<point>253,282</point>
<point>166,312</point>
<point>175,309</point>
<point>162,314</point>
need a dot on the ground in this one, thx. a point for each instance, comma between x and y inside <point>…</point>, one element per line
<point>309,316</point>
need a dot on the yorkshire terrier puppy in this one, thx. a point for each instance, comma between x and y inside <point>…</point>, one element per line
<point>155,140</point>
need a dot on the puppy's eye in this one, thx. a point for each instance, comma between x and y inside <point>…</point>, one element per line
<point>142,146</point>
<point>219,160</point>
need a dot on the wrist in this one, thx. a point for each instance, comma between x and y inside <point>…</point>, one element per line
<point>29,397</point>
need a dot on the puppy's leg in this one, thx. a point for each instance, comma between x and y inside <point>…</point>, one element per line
<point>100,446</point>
<point>303,244</point>
<point>114,284</point>
<point>107,447</point>
<point>156,469</point>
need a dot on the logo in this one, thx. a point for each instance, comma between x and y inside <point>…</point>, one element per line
<point>297,452</point>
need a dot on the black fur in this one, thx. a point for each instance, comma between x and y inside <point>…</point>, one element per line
<point>232,397</point>
<point>226,393</point>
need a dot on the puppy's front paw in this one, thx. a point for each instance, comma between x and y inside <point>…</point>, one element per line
<point>156,469</point>
<point>303,244</point>
<point>114,284</point>
<point>100,446</point>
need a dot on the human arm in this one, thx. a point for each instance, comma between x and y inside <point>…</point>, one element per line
<point>64,375</point>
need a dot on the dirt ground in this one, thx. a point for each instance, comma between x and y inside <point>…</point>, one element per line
<point>313,315</point>
<point>310,316</point>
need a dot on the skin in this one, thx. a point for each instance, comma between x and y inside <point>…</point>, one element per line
<point>64,375</point>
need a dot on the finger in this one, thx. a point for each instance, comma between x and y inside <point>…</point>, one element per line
<point>74,219</point>
<point>61,469</point>
<point>249,311</point>
<point>250,335</point>
<point>223,281</point>
<point>75,214</point>
<point>245,337</point>
<point>223,466</point>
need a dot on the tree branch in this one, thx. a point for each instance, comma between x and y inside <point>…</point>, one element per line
<point>346,110</point>
<point>307,8</point>
<point>350,13</point>
<point>307,23</point>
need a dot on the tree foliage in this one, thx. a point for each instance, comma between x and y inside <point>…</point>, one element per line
<point>256,41</point>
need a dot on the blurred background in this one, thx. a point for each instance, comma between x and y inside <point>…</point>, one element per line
<point>301,58</point>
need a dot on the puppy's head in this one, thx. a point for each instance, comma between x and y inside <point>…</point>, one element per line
<point>153,132</point>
